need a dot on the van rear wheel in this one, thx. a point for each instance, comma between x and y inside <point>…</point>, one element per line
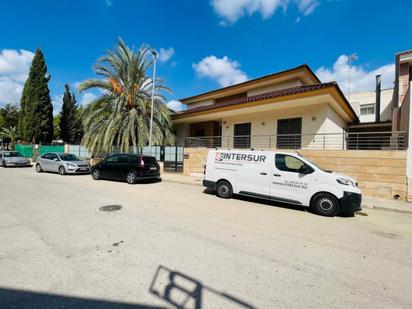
<point>224,189</point>
<point>325,204</point>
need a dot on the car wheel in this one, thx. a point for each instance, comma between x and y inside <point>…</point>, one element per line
<point>224,189</point>
<point>38,168</point>
<point>62,170</point>
<point>131,178</point>
<point>325,204</point>
<point>96,174</point>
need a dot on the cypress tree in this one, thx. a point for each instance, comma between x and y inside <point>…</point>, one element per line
<point>77,131</point>
<point>36,118</point>
<point>70,118</point>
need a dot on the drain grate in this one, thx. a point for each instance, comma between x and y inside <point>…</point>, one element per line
<point>110,208</point>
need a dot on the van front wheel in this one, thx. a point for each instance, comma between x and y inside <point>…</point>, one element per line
<point>224,189</point>
<point>325,204</point>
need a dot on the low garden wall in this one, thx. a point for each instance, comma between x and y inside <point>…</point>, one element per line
<point>379,173</point>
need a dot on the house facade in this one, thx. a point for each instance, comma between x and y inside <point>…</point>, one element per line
<point>288,109</point>
<point>364,105</point>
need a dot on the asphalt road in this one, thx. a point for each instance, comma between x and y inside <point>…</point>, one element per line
<point>174,246</point>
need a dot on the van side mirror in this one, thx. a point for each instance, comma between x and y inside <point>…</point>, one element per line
<point>305,169</point>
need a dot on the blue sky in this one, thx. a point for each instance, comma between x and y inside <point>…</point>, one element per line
<point>206,44</point>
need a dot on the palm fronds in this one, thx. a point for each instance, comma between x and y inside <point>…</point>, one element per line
<point>120,117</point>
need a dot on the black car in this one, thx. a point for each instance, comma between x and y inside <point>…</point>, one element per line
<point>129,167</point>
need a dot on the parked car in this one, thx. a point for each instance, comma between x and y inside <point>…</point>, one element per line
<point>62,163</point>
<point>13,158</point>
<point>282,177</point>
<point>129,167</point>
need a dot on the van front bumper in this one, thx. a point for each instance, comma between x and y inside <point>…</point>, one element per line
<point>209,184</point>
<point>350,202</point>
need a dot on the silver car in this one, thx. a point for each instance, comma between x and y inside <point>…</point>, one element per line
<point>13,158</point>
<point>62,163</point>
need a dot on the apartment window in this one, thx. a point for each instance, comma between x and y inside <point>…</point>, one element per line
<point>242,135</point>
<point>367,109</point>
<point>289,135</point>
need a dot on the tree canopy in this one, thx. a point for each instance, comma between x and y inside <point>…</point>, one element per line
<point>9,116</point>
<point>36,109</point>
<point>121,115</point>
<point>70,119</point>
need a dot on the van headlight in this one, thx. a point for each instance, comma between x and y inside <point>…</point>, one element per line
<point>346,182</point>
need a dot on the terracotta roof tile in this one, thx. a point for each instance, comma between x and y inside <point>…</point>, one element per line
<point>303,66</point>
<point>263,96</point>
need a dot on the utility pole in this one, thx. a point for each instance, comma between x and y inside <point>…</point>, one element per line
<point>152,106</point>
<point>352,57</point>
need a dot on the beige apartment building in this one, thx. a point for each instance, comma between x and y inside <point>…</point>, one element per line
<point>364,105</point>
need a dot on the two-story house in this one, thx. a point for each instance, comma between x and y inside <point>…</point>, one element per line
<point>288,109</point>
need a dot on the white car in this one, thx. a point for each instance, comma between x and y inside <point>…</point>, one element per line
<point>62,163</point>
<point>13,158</point>
<point>282,177</point>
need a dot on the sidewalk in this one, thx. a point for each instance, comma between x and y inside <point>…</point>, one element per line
<point>367,202</point>
<point>388,205</point>
<point>180,178</point>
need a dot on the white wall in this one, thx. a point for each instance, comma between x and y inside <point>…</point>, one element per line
<point>182,131</point>
<point>361,98</point>
<point>316,119</point>
<point>288,84</point>
<point>200,103</point>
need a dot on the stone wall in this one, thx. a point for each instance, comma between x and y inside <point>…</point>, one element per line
<point>379,173</point>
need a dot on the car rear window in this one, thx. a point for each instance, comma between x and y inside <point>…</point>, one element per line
<point>134,159</point>
<point>149,160</point>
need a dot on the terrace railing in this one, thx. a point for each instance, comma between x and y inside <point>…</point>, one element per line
<point>337,141</point>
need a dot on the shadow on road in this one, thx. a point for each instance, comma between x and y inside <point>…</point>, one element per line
<point>260,201</point>
<point>19,299</point>
<point>275,204</point>
<point>182,291</point>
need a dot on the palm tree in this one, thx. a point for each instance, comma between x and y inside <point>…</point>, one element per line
<point>11,134</point>
<point>120,117</point>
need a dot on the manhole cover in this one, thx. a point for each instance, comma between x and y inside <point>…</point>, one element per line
<point>110,208</point>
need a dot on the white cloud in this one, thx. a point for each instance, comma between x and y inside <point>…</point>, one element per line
<point>176,105</point>
<point>57,102</point>
<point>166,54</point>
<point>306,7</point>
<point>361,78</point>
<point>223,70</point>
<point>14,68</point>
<point>76,85</point>
<point>86,98</point>
<point>232,10</point>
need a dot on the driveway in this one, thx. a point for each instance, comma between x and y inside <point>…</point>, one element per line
<point>174,246</point>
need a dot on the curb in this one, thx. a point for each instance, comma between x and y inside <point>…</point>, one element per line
<point>398,210</point>
<point>182,182</point>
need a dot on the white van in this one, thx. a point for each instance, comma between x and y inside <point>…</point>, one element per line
<point>283,177</point>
